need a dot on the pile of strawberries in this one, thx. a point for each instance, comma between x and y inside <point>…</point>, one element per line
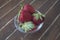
<point>28,13</point>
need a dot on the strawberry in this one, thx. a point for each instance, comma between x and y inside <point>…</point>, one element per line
<point>37,22</point>
<point>29,8</point>
<point>25,16</point>
<point>37,18</point>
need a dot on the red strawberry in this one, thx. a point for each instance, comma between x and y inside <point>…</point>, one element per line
<point>37,22</point>
<point>36,19</point>
<point>29,8</point>
<point>25,16</point>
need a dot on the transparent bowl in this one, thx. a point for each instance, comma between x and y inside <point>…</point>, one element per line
<point>21,30</point>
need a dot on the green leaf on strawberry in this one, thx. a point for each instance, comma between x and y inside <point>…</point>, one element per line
<point>36,15</point>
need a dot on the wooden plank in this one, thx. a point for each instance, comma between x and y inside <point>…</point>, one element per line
<point>3,2</point>
<point>8,7</point>
<point>53,32</point>
<point>48,20</point>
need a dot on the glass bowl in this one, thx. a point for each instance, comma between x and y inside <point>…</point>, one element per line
<point>21,30</point>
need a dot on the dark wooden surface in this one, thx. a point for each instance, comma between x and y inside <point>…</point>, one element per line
<point>50,29</point>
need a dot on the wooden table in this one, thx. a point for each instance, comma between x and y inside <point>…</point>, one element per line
<point>50,29</point>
